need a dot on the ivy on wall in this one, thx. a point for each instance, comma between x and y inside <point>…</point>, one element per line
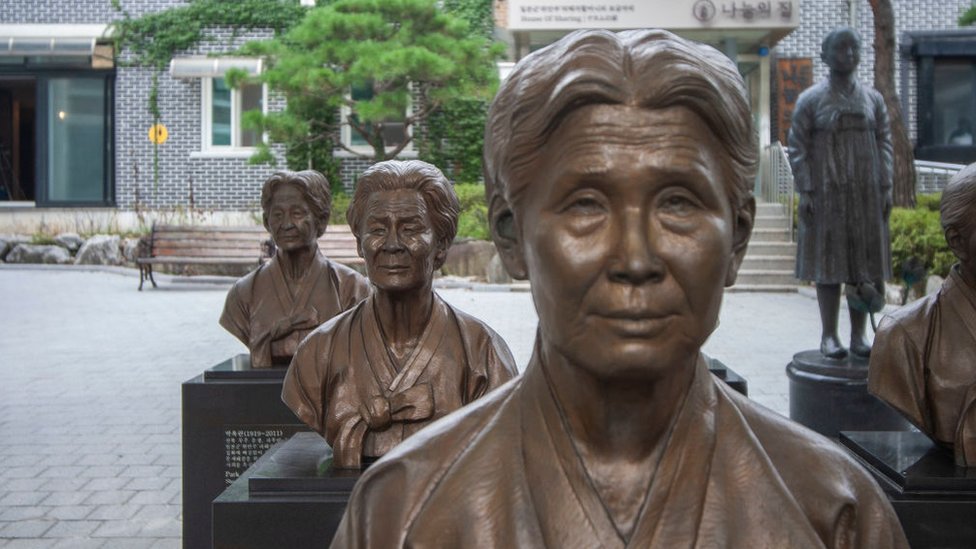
<point>454,140</point>
<point>153,39</point>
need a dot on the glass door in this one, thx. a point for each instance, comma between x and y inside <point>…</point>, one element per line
<point>77,141</point>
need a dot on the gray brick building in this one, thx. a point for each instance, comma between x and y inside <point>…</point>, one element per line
<point>925,23</point>
<point>104,159</point>
<point>80,137</point>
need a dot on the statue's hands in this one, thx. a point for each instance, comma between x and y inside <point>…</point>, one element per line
<point>306,319</point>
<point>806,206</point>
<point>888,202</point>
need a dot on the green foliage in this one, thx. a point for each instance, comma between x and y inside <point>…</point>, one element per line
<point>473,221</point>
<point>455,136</point>
<point>455,139</point>
<point>478,14</point>
<point>385,46</point>
<point>340,205</point>
<point>155,38</point>
<point>968,17</point>
<point>918,233</point>
<point>928,202</point>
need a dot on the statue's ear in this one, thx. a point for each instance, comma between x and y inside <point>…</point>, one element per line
<point>441,255</point>
<point>264,220</point>
<point>507,237</point>
<point>957,243</point>
<point>743,219</point>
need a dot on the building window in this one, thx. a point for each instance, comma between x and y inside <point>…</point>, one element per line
<point>223,109</point>
<point>954,101</point>
<point>395,131</point>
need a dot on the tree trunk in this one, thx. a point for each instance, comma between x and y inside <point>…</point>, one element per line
<point>884,81</point>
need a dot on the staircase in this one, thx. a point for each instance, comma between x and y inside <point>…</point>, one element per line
<point>771,257</point>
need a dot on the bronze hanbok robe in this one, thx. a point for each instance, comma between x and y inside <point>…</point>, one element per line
<point>261,298</point>
<point>840,151</point>
<point>923,363</point>
<point>504,473</point>
<point>345,385</point>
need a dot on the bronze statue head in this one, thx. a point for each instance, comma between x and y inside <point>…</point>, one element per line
<point>296,202</point>
<point>958,211</point>
<point>404,215</point>
<point>841,50</point>
<point>618,169</point>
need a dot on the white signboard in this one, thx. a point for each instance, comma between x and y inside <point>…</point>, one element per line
<point>666,14</point>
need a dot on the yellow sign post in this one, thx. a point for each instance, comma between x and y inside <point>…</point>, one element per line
<point>158,134</point>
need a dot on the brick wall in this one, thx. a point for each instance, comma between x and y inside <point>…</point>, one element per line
<point>818,17</point>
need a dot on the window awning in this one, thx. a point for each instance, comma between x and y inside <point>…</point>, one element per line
<point>211,67</point>
<point>50,40</point>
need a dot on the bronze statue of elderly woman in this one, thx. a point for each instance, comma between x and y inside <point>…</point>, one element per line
<point>840,151</point>
<point>618,174</point>
<point>924,358</point>
<point>404,357</point>
<point>275,306</point>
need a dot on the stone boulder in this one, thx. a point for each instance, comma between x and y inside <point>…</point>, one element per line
<point>71,241</point>
<point>101,249</point>
<point>894,293</point>
<point>38,253</point>
<point>496,271</point>
<point>469,258</point>
<point>9,241</point>
<point>130,249</point>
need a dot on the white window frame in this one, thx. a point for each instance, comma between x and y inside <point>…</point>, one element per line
<point>345,133</point>
<point>207,148</point>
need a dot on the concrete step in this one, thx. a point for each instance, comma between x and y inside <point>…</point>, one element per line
<point>772,222</point>
<point>757,247</point>
<point>769,262</point>
<point>770,235</point>
<point>770,208</point>
<point>766,276</point>
<point>778,288</point>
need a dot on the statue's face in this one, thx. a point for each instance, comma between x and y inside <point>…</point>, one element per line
<point>626,234</point>
<point>843,53</point>
<point>290,220</point>
<point>397,240</point>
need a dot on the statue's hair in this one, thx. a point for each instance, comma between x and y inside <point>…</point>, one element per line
<point>650,69</point>
<point>313,185</point>
<point>834,34</point>
<point>392,175</point>
<point>958,205</point>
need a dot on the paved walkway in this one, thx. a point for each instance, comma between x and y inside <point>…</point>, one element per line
<point>90,373</point>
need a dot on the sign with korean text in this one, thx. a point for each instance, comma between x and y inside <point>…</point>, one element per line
<point>666,14</point>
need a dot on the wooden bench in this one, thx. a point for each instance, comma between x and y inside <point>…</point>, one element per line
<point>210,245</point>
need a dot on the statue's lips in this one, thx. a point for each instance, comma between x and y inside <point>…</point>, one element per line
<point>394,268</point>
<point>635,323</point>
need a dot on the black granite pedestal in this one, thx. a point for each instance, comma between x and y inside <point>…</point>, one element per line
<point>291,497</point>
<point>935,500</point>
<point>730,377</point>
<point>232,414</point>
<point>830,395</point>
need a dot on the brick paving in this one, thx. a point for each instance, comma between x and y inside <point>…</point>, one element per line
<point>90,373</point>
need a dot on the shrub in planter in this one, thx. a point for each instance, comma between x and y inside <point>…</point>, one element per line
<point>917,233</point>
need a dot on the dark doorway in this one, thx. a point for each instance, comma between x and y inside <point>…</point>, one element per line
<point>18,154</point>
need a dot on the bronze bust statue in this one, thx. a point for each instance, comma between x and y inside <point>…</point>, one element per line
<point>404,357</point>
<point>618,170</point>
<point>840,150</point>
<point>275,306</point>
<point>924,358</point>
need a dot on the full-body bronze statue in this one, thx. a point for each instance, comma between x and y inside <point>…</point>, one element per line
<point>275,306</point>
<point>402,358</point>
<point>924,358</point>
<point>840,150</point>
<point>618,170</point>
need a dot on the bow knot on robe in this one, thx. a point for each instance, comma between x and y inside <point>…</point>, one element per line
<point>412,404</point>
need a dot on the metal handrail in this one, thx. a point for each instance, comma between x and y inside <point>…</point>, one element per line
<point>777,184</point>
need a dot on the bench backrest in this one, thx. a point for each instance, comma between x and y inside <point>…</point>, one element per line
<point>338,242</point>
